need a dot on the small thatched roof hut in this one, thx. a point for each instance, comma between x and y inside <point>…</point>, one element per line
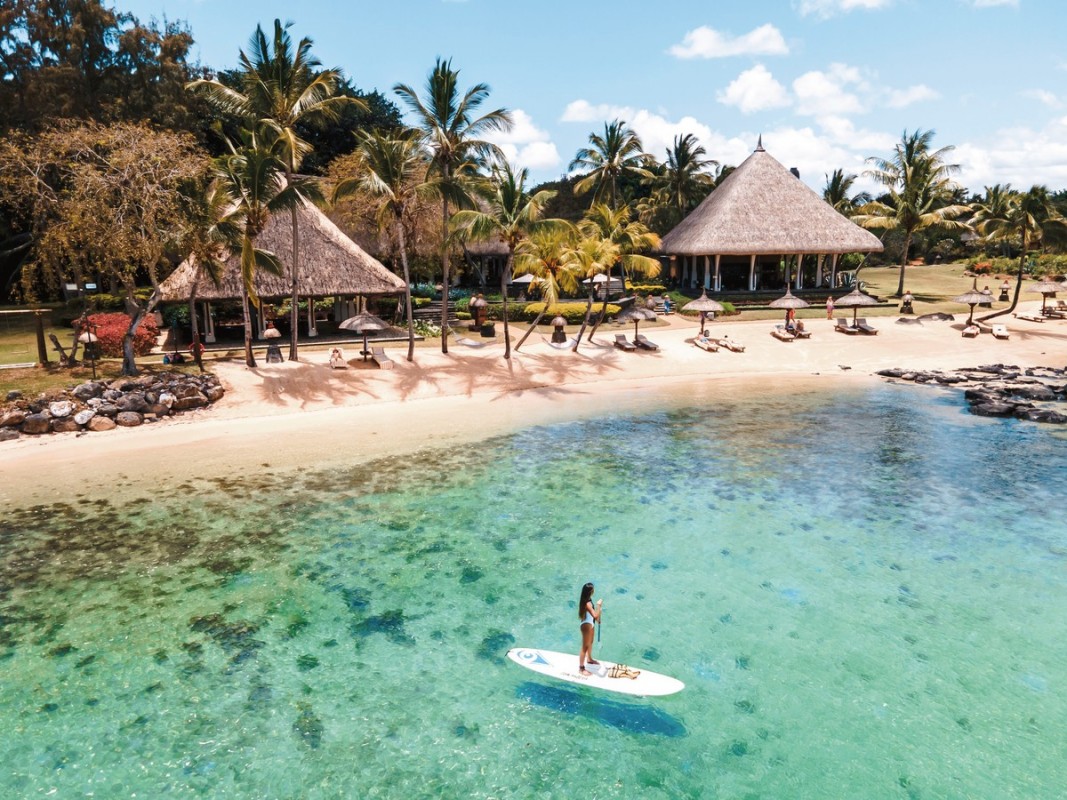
<point>759,217</point>
<point>331,265</point>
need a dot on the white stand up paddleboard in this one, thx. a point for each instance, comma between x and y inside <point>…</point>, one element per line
<point>564,666</point>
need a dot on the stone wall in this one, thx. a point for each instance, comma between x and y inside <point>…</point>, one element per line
<point>105,405</point>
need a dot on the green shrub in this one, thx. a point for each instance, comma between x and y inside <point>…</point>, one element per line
<point>574,313</point>
<point>649,288</point>
<point>466,315</point>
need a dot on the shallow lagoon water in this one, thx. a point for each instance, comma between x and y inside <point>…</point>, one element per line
<point>863,592</point>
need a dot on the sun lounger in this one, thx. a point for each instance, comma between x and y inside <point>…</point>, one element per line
<point>971,331</point>
<point>1030,317</point>
<point>622,344</point>
<point>800,333</point>
<point>337,359</point>
<point>843,327</point>
<point>782,334</point>
<point>1000,332</point>
<point>730,344</point>
<point>861,323</point>
<point>642,341</point>
<point>1054,313</point>
<point>706,344</point>
<point>378,356</point>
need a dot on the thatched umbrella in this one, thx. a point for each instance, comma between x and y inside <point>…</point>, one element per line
<point>787,301</point>
<point>361,323</point>
<point>704,305</point>
<point>971,298</point>
<point>635,313</point>
<point>1047,288</point>
<point>854,300</point>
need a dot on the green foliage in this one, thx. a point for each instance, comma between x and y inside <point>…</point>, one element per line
<point>647,288</point>
<point>574,313</point>
<point>427,329</point>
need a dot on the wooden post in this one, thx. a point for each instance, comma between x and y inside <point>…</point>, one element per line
<point>42,349</point>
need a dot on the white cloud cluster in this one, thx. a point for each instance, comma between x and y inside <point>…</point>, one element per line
<point>705,42</point>
<point>828,8</point>
<point>1021,156</point>
<point>584,111</point>
<point>994,3</point>
<point>839,89</point>
<point>754,90</point>
<point>526,145</point>
<point>1044,97</point>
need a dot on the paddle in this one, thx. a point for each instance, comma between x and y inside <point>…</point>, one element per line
<point>599,622</point>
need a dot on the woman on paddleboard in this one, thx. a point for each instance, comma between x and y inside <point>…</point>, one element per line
<point>589,615</point>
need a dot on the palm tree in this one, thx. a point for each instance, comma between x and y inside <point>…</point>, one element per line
<point>393,171</point>
<point>920,194</point>
<point>678,186</point>
<point>214,234</point>
<point>593,256</point>
<point>512,215</point>
<point>630,237</point>
<point>453,132</point>
<point>618,152</point>
<point>838,193</point>
<point>281,88</point>
<point>994,207</point>
<point>1032,217</point>
<point>252,180</point>
<point>548,254</point>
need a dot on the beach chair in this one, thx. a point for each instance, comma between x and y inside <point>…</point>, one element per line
<point>782,335</point>
<point>730,344</point>
<point>971,331</point>
<point>337,358</point>
<point>622,344</point>
<point>706,344</point>
<point>842,326</point>
<point>378,356</point>
<point>1030,317</point>
<point>861,323</point>
<point>1000,332</point>
<point>800,332</point>
<point>643,342</point>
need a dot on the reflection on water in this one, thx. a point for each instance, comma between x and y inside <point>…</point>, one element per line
<point>858,590</point>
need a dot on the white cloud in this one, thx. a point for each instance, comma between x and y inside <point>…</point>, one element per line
<point>1044,97</point>
<point>526,145</point>
<point>705,42</point>
<point>994,3</point>
<point>842,131</point>
<point>1020,156</point>
<point>821,92</point>
<point>754,90</point>
<point>828,8</point>
<point>899,98</point>
<point>584,111</point>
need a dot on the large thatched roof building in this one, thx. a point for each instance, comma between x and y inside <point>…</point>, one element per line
<point>759,224</point>
<point>331,265</point>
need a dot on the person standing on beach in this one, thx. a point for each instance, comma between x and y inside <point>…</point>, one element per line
<point>589,614</point>
<point>830,307</point>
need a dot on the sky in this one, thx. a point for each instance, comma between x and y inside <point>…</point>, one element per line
<point>826,83</point>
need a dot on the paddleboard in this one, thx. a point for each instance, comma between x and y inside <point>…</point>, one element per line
<point>564,666</point>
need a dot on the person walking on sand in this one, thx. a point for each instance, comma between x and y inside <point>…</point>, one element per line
<point>589,614</point>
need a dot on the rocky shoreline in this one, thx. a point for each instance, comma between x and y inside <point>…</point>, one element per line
<point>106,405</point>
<point>1000,390</point>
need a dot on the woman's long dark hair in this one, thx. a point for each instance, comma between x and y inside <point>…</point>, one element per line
<point>583,601</point>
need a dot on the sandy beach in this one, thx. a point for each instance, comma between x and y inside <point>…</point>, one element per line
<point>302,414</point>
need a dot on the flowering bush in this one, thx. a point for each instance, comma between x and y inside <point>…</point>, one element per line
<point>111,328</point>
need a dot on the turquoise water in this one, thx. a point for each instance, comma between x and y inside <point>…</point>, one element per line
<point>863,592</point>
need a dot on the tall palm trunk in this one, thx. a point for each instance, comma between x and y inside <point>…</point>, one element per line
<point>604,307</point>
<point>194,331</point>
<point>903,264</point>
<point>585,320</point>
<point>402,244</point>
<point>444,270</point>
<point>295,332</point>
<point>504,297</point>
<point>250,359</point>
<point>530,330</point>
<point>1018,280</point>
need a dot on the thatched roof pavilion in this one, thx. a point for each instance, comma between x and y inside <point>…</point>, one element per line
<point>759,217</point>
<point>331,265</point>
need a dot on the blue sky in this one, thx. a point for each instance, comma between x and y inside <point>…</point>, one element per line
<point>826,82</point>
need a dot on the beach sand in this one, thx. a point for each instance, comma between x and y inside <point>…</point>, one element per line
<point>305,414</point>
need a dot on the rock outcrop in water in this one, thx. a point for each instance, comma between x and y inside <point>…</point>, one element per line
<point>105,405</point>
<point>998,390</point>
